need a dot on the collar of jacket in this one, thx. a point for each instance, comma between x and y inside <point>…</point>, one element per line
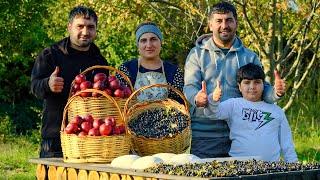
<point>206,42</point>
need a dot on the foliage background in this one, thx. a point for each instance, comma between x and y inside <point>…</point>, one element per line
<point>284,35</point>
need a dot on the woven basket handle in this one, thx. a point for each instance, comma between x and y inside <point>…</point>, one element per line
<point>126,108</point>
<point>107,68</point>
<point>63,124</point>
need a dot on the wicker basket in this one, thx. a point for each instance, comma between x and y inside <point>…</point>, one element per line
<point>81,103</point>
<point>143,146</point>
<point>101,149</point>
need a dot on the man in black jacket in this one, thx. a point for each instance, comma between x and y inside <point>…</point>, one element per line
<point>56,67</point>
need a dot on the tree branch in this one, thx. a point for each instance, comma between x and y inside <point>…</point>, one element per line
<point>251,26</point>
<point>303,38</point>
<point>302,79</point>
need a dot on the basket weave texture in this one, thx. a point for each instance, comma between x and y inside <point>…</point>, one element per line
<point>101,149</point>
<point>144,146</point>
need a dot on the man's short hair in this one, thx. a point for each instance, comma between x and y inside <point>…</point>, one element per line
<point>223,7</point>
<point>83,11</point>
<point>250,72</point>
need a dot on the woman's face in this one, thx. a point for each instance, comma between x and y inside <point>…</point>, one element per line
<point>149,46</point>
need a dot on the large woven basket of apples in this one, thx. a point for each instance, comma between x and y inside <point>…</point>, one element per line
<point>89,102</point>
<point>92,128</point>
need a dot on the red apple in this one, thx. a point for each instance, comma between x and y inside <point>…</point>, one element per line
<point>127,91</point>
<point>88,118</point>
<point>85,94</point>
<point>108,91</point>
<point>100,85</point>
<point>77,120</point>
<point>105,129</point>
<point>99,77</point>
<point>118,93</point>
<point>86,126</point>
<point>122,128</point>
<point>71,128</point>
<point>110,120</point>
<point>96,123</point>
<point>94,132</point>
<point>96,94</point>
<point>115,84</point>
<point>112,78</point>
<point>80,78</point>
<point>85,85</point>
<point>116,130</point>
<point>82,134</point>
<point>76,87</point>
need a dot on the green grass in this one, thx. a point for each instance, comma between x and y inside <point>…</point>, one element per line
<point>15,152</point>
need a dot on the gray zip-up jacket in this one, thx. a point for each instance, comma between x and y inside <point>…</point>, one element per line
<point>207,62</point>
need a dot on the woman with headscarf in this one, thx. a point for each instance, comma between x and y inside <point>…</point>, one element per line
<point>149,68</point>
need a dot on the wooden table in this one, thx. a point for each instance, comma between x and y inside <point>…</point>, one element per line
<point>56,169</point>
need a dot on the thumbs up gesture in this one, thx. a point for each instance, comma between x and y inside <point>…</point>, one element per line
<point>202,97</point>
<point>217,92</point>
<point>56,82</point>
<point>279,84</point>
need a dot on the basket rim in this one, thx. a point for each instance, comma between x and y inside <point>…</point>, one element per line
<point>126,106</point>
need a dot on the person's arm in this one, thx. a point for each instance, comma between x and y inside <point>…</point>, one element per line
<point>217,110</point>
<point>286,142</point>
<point>192,77</point>
<point>40,75</point>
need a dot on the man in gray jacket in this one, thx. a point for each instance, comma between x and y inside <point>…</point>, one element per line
<point>217,57</point>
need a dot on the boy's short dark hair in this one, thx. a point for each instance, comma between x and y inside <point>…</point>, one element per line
<point>223,7</point>
<point>250,72</point>
<point>83,11</point>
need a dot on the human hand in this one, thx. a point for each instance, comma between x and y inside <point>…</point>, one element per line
<point>279,84</point>
<point>55,82</point>
<point>217,92</point>
<point>202,97</point>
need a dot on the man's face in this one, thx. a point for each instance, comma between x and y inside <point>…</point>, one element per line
<point>82,32</point>
<point>224,27</point>
<point>251,90</point>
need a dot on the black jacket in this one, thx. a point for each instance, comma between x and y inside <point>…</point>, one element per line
<point>71,63</point>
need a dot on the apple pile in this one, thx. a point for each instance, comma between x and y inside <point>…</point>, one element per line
<point>88,126</point>
<point>109,84</point>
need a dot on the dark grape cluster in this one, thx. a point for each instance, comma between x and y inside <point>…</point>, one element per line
<point>230,168</point>
<point>158,122</point>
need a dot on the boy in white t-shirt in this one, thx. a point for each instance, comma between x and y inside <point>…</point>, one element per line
<point>257,128</point>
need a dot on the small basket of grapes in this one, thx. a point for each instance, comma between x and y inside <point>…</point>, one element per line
<point>158,126</point>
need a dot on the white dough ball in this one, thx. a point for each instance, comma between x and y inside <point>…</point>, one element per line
<point>181,159</point>
<point>165,157</point>
<point>124,161</point>
<point>145,162</point>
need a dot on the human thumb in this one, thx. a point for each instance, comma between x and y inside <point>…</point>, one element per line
<point>218,85</point>
<point>204,87</point>
<point>56,71</point>
<point>276,75</point>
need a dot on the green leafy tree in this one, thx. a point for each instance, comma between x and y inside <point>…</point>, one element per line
<point>285,33</point>
<point>22,37</point>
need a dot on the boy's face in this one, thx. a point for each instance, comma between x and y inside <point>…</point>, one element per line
<point>251,89</point>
